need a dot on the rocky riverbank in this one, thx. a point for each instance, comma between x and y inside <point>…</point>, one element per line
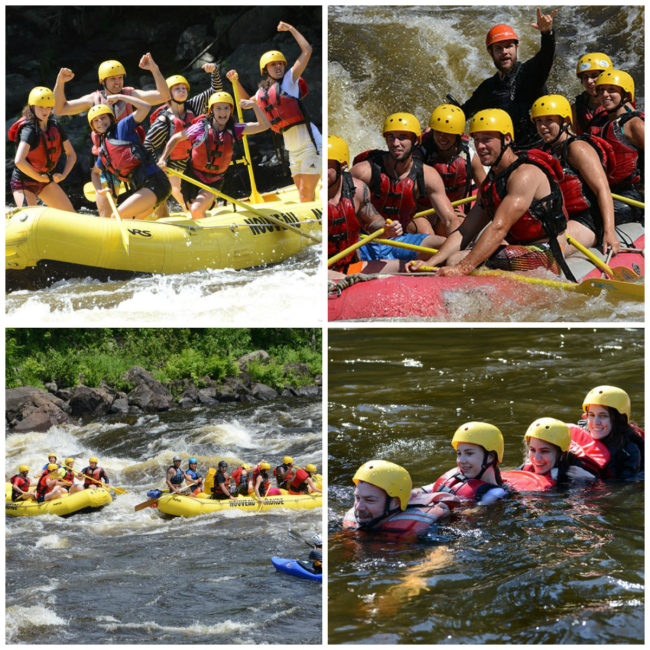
<point>36,409</point>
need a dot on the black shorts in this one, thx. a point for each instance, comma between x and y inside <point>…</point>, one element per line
<point>190,190</point>
<point>159,184</point>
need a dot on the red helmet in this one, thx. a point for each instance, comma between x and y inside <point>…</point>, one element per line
<point>500,33</point>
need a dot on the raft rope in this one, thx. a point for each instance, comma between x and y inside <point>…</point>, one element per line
<point>335,288</point>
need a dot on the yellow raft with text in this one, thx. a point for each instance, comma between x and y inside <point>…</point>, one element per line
<point>84,501</point>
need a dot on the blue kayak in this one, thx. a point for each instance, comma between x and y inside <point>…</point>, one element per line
<point>295,568</point>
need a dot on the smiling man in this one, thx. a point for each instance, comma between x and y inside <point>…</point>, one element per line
<point>516,85</point>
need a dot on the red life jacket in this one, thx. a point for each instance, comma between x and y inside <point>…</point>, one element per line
<point>628,162</point>
<point>592,452</point>
<point>588,120</point>
<point>544,216</point>
<point>212,152</point>
<point>46,154</point>
<point>577,194</point>
<point>408,524</point>
<point>121,157</point>
<point>526,480</point>
<point>42,488</point>
<point>216,488</point>
<point>182,150</point>
<point>21,482</point>
<point>282,110</point>
<point>68,477</point>
<point>455,483</point>
<point>298,484</point>
<point>343,227</point>
<point>236,475</point>
<point>395,200</point>
<point>264,485</point>
<point>96,473</point>
<point>457,173</point>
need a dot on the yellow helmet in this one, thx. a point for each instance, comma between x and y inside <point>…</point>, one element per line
<point>391,478</point>
<point>312,469</point>
<point>23,468</point>
<point>265,465</point>
<point>110,69</point>
<point>480,433</point>
<point>51,455</point>
<point>551,105</point>
<point>221,96</point>
<point>551,430</point>
<point>93,459</point>
<point>492,119</point>
<point>448,118</point>
<point>593,61</point>
<point>176,79</point>
<point>611,396</point>
<point>97,110</point>
<point>269,57</point>
<point>287,460</point>
<point>337,149</point>
<point>52,467</point>
<point>246,466</point>
<point>41,96</point>
<point>402,122</point>
<point>69,461</point>
<point>617,78</point>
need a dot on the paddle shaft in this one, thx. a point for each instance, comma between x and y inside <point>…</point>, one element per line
<point>430,211</point>
<point>300,538</point>
<point>353,247</point>
<point>618,273</point>
<point>624,199</point>
<point>106,486</point>
<point>271,218</point>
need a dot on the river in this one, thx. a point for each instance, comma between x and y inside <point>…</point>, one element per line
<point>122,577</point>
<point>563,567</point>
<point>385,59</point>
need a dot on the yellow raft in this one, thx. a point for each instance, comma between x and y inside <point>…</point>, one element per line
<point>179,505</point>
<point>227,238</point>
<point>71,504</point>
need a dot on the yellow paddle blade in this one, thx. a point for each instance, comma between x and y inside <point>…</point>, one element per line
<point>117,490</point>
<point>91,195</point>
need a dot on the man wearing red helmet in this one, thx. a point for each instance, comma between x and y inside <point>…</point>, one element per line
<point>516,85</point>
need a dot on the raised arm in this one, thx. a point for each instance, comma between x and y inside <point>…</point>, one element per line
<point>262,123</point>
<point>62,106</point>
<point>161,94</point>
<point>305,49</point>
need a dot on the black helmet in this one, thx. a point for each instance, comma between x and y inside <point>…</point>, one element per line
<point>222,463</point>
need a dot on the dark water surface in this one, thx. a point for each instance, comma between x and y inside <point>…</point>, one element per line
<point>123,577</point>
<point>561,567</point>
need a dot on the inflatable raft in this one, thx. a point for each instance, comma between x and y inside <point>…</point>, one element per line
<point>227,238</point>
<point>71,504</point>
<point>295,568</point>
<point>179,505</point>
<point>433,298</point>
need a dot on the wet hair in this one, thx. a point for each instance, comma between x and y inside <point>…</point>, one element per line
<point>622,433</point>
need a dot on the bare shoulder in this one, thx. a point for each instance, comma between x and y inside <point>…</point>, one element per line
<point>361,171</point>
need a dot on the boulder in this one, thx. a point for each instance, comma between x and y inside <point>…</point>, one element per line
<point>86,401</point>
<point>51,387</point>
<point>151,398</point>
<point>232,390</point>
<point>307,391</point>
<point>263,392</point>
<point>188,397</point>
<point>208,395</point>
<point>261,356</point>
<point>33,409</point>
<point>120,405</point>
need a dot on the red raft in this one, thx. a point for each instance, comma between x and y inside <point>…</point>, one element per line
<point>467,297</point>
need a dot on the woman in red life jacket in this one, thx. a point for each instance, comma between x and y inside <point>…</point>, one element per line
<point>93,475</point>
<point>586,109</point>
<point>47,487</point>
<point>280,94</point>
<point>243,479</point>
<point>20,485</point>
<point>176,115</point>
<point>479,450</point>
<point>212,138</point>
<point>625,132</point>
<point>383,502</point>
<point>66,477</point>
<point>548,459</point>
<point>585,188</point>
<point>122,158</point>
<point>302,481</point>
<point>445,148</point>
<point>284,472</point>
<point>40,143</point>
<point>261,483</point>
<point>618,449</point>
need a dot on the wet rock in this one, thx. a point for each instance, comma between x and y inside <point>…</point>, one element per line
<point>208,395</point>
<point>263,392</point>
<point>232,390</point>
<point>120,405</point>
<point>86,401</point>
<point>288,392</point>
<point>33,409</point>
<point>189,397</point>
<point>307,391</point>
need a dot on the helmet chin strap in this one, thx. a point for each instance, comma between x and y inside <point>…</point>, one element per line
<point>504,148</point>
<point>621,104</point>
<point>563,128</point>
<point>485,465</point>
<point>387,512</point>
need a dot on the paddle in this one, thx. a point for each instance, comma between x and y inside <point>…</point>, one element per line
<point>590,287</point>
<point>243,205</point>
<point>150,502</point>
<point>106,486</point>
<point>91,194</point>
<point>353,247</point>
<point>300,538</point>
<point>618,273</point>
<point>624,199</point>
<point>426,213</point>
<point>116,214</point>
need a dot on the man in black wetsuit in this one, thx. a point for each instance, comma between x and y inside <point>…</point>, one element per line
<point>516,85</point>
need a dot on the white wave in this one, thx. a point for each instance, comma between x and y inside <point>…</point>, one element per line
<point>20,618</point>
